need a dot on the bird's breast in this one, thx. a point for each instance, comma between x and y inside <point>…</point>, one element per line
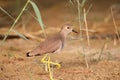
<point>60,48</point>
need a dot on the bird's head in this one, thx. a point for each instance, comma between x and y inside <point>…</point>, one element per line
<point>67,28</point>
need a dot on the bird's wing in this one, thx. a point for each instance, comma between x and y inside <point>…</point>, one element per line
<point>48,46</point>
<point>51,46</point>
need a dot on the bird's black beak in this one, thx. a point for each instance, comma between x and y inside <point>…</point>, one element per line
<point>74,31</point>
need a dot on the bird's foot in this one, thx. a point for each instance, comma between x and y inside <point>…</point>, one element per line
<point>46,61</point>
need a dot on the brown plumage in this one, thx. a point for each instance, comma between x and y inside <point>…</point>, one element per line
<point>53,44</point>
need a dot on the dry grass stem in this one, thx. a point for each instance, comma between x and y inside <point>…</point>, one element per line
<point>116,28</point>
<point>88,39</point>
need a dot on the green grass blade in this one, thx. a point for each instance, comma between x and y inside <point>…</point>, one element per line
<point>19,34</point>
<point>88,9</point>
<point>16,20</point>
<point>71,2</point>
<point>6,13</point>
<point>37,12</point>
<point>83,3</point>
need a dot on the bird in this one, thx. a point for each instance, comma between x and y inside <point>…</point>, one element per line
<point>53,44</point>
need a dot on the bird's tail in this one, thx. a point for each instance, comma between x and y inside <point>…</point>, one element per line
<point>30,54</point>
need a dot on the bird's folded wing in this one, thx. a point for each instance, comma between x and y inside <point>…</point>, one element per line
<point>48,46</point>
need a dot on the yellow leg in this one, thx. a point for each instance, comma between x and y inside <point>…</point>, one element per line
<point>46,64</point>
<point>49,68</point>
<point>50,62</point>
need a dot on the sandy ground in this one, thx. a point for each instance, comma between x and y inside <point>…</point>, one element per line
<point>16,66</point>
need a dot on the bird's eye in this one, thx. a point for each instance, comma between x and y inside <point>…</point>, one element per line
<point>68,27</point>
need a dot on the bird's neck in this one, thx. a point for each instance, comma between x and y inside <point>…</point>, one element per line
<point>63,34</point>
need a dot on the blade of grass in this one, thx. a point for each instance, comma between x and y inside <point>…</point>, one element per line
<point>16,20</point>
<point>19,34</point>
<point>7,13</point>
<point>37,12</point>
<point>88,39</point>
<point>116,28</point>
<point>88,10</point>
<point>79,17</point>
<point>32,15</point>
<point>101,51</point>
<point>83,3</point>
<point>87,13</point>
<point>85,57</point>
<point>22,36</point>
<point>71,2</point>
